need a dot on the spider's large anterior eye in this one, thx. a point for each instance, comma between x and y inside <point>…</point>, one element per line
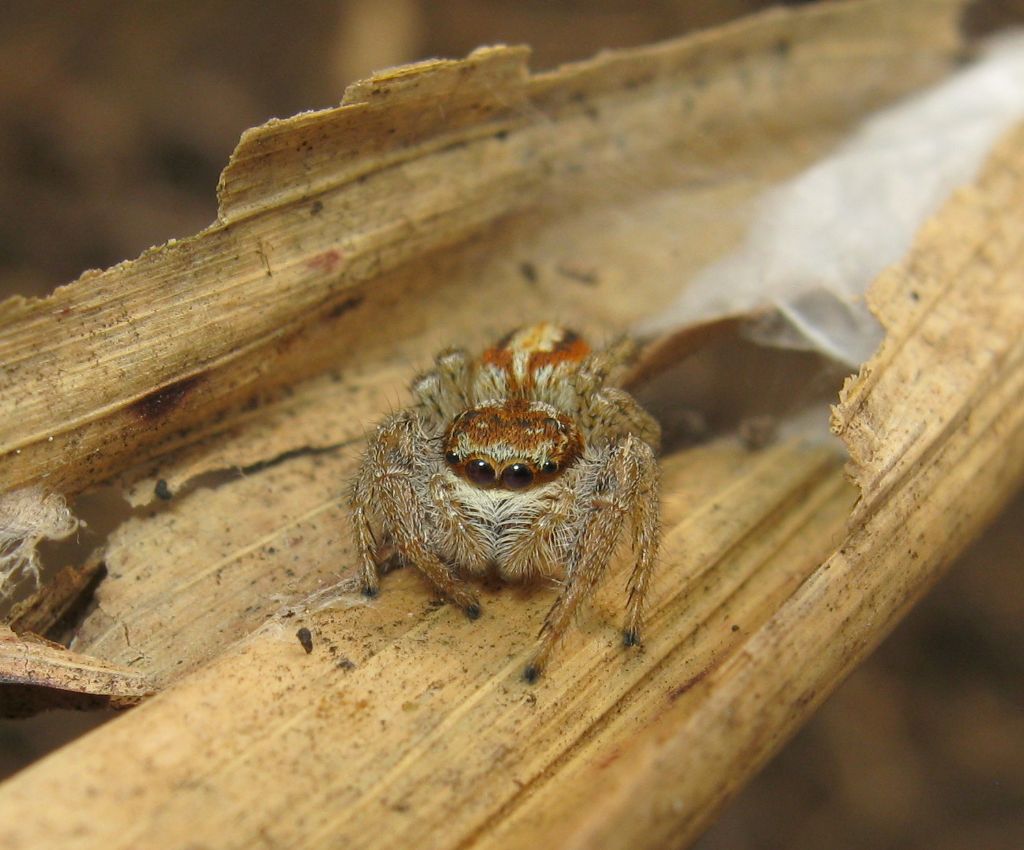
<point>517,476</point>
<point>480,472</point>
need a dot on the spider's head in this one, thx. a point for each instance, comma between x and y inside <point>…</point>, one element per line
<point>511,444</point>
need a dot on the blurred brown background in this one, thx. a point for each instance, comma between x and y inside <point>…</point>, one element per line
<point>115,120</point>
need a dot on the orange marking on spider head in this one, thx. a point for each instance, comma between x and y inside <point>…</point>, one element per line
<point>531,436</point>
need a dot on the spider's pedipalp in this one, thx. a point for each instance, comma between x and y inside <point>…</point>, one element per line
<point>538,553</point>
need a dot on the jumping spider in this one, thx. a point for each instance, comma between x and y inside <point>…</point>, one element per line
<point>525,463</point>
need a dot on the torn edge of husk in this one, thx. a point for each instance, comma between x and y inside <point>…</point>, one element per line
<point>952,311</point>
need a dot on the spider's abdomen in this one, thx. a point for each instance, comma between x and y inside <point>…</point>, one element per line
<point>530,360</point>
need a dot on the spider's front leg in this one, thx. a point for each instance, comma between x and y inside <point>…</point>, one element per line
<point>619,484</point>
<point>391,485</point>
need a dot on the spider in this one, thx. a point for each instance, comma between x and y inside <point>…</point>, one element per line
<point>525,463</point>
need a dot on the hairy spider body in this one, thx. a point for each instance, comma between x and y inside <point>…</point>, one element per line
<point>526,463</point>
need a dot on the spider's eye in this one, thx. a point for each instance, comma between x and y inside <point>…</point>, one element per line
<point>517,476</point>
<point>480,472</point>
<point>451,457</point>
<point>549,466</point>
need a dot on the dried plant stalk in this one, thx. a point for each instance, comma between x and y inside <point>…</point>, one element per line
<point>406,712</point>
<point>405,723</point>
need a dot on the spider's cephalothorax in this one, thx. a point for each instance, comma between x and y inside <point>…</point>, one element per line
<point>512,444</point>
<point>525,462</point>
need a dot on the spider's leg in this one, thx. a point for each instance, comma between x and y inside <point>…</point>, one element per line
<point>603,365</point>
<point>460,541</point>
<point>442,392</point>
<point>369,571</point>
<point>645,517</point>
<point>614,489</point>
<point>610,413</point>
<point>412,548</point>
<point>392,483</point>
